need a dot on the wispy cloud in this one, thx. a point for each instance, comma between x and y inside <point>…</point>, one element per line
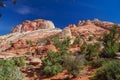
<point>24,10</point>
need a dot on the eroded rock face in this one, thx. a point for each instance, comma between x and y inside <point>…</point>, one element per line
<point>103,24</point>
<point>86,29</point>
<point>18,39</point>
<point>33,25</point>
<point>66,32</point>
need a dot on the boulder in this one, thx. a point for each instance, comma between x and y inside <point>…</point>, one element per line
<point>35,61</point>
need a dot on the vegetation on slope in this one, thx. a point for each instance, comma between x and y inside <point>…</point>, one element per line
<point>99,56</point>
<point>9,70</point>
<point>56,62</point>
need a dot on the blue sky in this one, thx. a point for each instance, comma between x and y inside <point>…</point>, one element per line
<point>61,12</point>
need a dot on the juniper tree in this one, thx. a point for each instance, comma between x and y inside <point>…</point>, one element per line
<point>110,42</point>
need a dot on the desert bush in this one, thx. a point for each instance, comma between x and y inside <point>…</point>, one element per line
<point>6,63</point>
<point>29,42</point>
<point>54,61</point>
<point>8,71</point>
<point>83,48</point>
<point>90,38</point>
<point>109,50</point>
<point>52,64</point>
<point>97,63</point>
<point>89,50</point>
<point>109,71</point>
<point>76,41</point>
<point>28,52</point>
<point>63,44</point>
<point>38,42</point>
<point>110,42</point>
<point>19,61</point>
<point>57,42</point>
<point>50,70</point>
<point>73,64</point>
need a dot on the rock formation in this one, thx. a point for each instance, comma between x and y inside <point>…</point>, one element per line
<point>66,32</point>
<point>32,35</point>
<point>33,25</point>
<point>34,39</point>
<point>85,29</point>
<point>104,24</point>
<point>42,29</point>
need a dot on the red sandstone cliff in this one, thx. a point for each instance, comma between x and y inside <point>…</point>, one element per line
<point>33,25</point>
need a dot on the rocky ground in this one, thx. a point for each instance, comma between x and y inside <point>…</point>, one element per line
<point>15,43</point>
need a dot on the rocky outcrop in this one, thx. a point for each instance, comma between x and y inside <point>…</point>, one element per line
<point>66,32</point>
<point>104,24</point>
<point>98,23</point>
<point>85,29</point>
<point>46,29</point>
<point>34,40</point>
<point>33,25</point>
<point>83,23</point>
<point>18,39</point>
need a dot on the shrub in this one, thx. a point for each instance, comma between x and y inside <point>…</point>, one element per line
<point>62,44</point>
<point>66,42</point>
<point>29,42</point>
<point>8,71</point>
<point>53,69</point>
<point>28,52</point>
<point>76,41</point>
<point>73,64</point>
<point>19,61</point>
<point>89,51</point>
<point>90,38</point>
<point>56,42</point>
<point>83,48</point>
<point>6,63</point>
<point>52,64</point>
<point>110,50</point>
<point>96,63</point>
<point>38,42</point>
<point>110,71</point>
<point>110,42</point>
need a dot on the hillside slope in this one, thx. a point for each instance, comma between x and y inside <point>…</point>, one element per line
<point>34,39</point>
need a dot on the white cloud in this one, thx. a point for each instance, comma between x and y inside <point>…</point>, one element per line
<point>24,10</point>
